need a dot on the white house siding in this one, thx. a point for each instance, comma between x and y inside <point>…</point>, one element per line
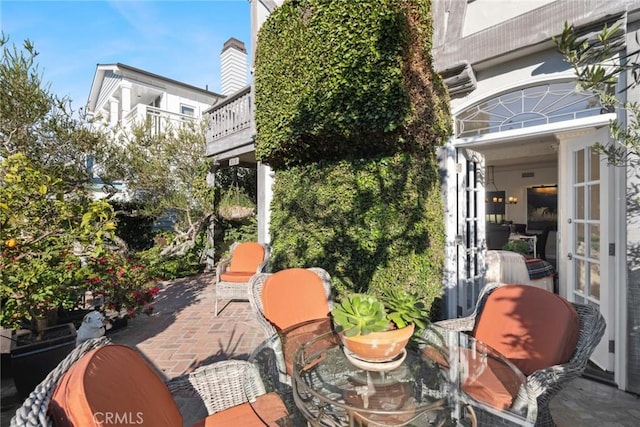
<point>109,86</point>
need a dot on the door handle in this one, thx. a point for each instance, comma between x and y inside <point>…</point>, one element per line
<point>569,256</point>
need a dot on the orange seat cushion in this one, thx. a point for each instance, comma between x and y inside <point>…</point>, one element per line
<point>532,327</point>
<point>236,276</point>
<point>292,296</point>
<point>266,410</point>
<point>113,385</point>
<point>489,380</point>
<point>493,382</point>
<point>246,257</point>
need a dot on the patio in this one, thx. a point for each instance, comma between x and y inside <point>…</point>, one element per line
<point>183,333</point>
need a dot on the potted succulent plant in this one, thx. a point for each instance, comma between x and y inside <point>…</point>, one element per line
<point>376,329</point>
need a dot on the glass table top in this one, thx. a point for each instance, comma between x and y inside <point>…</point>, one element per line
<point>445,378</point>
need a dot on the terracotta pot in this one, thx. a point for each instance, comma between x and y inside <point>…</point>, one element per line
<point>378,346</point>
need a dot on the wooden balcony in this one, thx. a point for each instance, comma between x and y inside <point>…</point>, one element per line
<point>230,128</point>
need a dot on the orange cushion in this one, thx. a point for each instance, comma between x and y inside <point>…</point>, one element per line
<point>236,276</point>
<point>266,410</point>
<point>493,383</point>
<point>113,385</point>
<point>247,257</point>
<point>488,380</point>
<point>292,296</point>
<point>532,327</point>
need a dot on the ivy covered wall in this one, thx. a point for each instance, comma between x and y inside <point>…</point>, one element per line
<point>349,112</point>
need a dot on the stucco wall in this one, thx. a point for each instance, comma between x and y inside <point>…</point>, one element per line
<point>633,247</point>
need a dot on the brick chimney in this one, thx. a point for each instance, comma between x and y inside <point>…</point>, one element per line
<point>233,61</point>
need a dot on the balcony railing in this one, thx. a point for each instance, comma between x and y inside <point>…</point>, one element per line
<point>232,115</point>
<point>158,118</point>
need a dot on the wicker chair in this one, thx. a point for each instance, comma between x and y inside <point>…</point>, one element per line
<point>234,272</point>
<point>545,383</point>
<point>287,299</point>
<point>221,386</point>
<point>33,411</point>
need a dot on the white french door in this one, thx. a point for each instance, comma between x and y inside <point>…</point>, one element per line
<point>590,230</point>
<point>470,237</point>
<point>464,268</point>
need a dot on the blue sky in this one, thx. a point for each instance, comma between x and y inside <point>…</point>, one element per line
<point>181,40</point>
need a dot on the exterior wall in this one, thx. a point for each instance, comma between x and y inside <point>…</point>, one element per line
<point>542,66</point>
<point>631,217</point>
<point>482,14</point>
<point>517,37</point>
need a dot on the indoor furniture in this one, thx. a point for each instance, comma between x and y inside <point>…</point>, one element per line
<point>233,273</point>
<point>549,246</point>
<point>512,267</point>
<point>520,228</point>
<point>549,338</point>
<point>99,379</point>
<point>497,235</point>
<point>445,378</point>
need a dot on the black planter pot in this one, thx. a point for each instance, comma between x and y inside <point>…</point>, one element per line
<point>32,358</point>
<point>72,316</point>
<point>117,323</point>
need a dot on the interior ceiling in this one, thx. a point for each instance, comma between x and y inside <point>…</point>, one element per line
<point>519,154</point>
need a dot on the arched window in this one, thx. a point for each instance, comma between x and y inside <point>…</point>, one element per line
<point>531,106</point>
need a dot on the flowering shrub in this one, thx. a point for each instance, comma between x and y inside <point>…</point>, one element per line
<point>127,286</point>
<point>43,230</point>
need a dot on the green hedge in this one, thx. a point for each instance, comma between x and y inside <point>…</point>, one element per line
<point>349,113</point>
<point>370,223</point>
<point>347,79</point>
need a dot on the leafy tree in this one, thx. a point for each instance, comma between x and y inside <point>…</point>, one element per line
<point>598,67</point>
<point>165,173</point>
<point>47,219</point>
<point>43,231</point>
<point>39,124</point>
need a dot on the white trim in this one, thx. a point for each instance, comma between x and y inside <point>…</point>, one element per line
<point>620,335</point>
<point>511,87</point>
<point>620,267</point>
<point>525,133</point>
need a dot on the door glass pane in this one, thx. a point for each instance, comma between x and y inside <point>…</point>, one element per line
<point>594,284</point>
<point>594,165</point>
<point>579,197</point>
<point>579,159</point>
<point>580,275</point>
<point>594,201</point>
<point>580,240</point>
<point>594,243</point>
